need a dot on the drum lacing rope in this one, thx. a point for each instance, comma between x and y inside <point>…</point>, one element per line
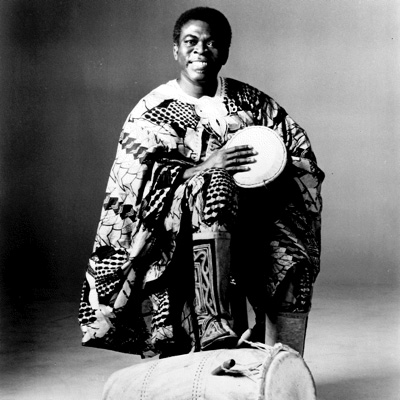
<point>230,367</point>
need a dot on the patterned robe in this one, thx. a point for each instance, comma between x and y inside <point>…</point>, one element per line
<point>141,282</point>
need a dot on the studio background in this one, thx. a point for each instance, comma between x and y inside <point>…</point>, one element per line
<point>71,71</point>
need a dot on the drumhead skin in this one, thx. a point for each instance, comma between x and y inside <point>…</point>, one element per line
<point>270,160</point>
<point>288,378</point>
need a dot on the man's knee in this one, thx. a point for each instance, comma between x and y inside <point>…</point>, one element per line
<point>220,195</point>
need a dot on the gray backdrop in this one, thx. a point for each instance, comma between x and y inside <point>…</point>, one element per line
<point>72,70</point>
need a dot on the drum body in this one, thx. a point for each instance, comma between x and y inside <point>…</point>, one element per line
<point>270,158</point>
<point>268,373</point>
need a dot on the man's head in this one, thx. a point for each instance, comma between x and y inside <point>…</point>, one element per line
<point>202,38</point>
<point>214,18</point>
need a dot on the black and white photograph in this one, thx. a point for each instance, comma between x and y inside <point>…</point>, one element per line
<point>199,199</point>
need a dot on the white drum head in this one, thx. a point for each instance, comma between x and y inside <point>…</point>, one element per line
<point>288,378</point>
<point>270,160</point>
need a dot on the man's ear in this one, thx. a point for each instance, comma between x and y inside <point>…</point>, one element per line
<point>225,56</point>
<point>175,51</point>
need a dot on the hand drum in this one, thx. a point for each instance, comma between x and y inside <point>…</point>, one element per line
<point>270,160</point>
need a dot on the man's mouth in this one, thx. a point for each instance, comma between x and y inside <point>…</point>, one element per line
<point>199,64</point>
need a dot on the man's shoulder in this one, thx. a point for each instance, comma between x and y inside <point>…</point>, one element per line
<point>161,92</point>
<point>234,83</point>
<point>154,98</point>
<point>234,87</point>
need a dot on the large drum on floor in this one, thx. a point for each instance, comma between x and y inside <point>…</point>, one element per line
<point>258,372</point>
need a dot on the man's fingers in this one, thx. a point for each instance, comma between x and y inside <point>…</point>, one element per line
<point>238,168</point>
<point>240,153</point>
<point>236,149</point>
<point>242,160</point>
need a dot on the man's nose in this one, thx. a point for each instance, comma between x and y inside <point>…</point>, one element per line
<point>200,47</point>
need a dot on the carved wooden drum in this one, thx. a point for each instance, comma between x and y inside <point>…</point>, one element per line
<point>258,373</point>
<point>270,160</point>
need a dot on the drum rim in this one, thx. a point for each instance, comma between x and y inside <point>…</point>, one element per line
<point>264,182</point>
<point>273,364</point>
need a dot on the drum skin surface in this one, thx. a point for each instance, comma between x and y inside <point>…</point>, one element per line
<point>287,378</point>
<point>270,160</point>
<point>269,373</point>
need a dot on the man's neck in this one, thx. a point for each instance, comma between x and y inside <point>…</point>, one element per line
<point>198,90</point>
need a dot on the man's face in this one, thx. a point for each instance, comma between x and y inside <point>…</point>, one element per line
<point>199,53</point>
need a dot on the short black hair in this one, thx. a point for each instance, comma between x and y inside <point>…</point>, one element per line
<point>213,17</point>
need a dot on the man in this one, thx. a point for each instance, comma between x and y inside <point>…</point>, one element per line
<point>176,232</point>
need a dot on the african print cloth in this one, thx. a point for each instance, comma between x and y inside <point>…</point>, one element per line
<point>154,277</point>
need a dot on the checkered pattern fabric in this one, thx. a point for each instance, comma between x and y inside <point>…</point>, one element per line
<point>175,113</point>
<point>220,190</point>
<point>149,211</point>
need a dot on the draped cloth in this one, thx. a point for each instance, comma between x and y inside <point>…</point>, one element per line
<point>167,250</point>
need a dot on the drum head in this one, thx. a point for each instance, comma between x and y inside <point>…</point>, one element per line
<point>270,160</point>
<point>288,377</point>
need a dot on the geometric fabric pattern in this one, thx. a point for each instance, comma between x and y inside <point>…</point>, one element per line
<point>150,210</point>
<point>221,189</point>
<point>180,113</point>
<point>205,285</point>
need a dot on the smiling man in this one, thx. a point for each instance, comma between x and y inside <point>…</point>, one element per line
<point>201,54</point>
<point>176,231</point>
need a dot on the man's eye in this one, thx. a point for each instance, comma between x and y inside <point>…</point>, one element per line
<point>190,42</point>
<point>211,43</point>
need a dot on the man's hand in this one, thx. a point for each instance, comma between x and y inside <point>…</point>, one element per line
<point>233,159</point>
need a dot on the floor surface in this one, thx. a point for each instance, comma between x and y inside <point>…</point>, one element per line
<point>352,348</point>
